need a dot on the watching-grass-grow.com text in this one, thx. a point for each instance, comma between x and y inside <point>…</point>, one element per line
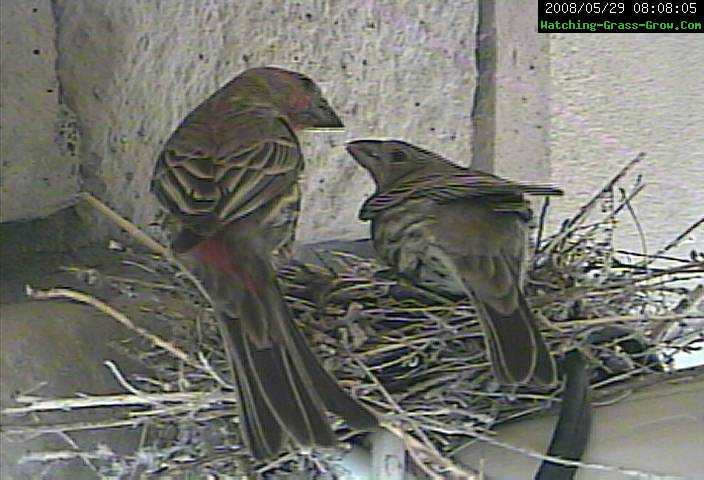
<point>606,26</point>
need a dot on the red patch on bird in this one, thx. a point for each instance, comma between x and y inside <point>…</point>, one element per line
<point>215,252</point>
<point>300,102</point>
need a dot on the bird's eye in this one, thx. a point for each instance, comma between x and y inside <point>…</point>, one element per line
<point>398,156</point>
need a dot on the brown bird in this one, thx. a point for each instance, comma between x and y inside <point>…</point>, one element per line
<point>461,231</point>
<point>228,176</point>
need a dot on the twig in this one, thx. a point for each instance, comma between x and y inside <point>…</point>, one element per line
<point>40,404</point>
<point>445,463</point>
<point>275,463</point>
<point>579,292</point>
<point>86,460</point>
<point>654,257</point>
<point>660,328</point>
<point>541,225</point>
<point>127,280</point>
<point>144,239</point>
<point>411,442</point>
<point>126,225</point>
<point>588,230</point>
<point>421,463</point>
<point>125,384</point>
<point>69,427</point>
<point>211,371</point>
<point>629,318</point>
<point>56,455</point>
<point>680,237</point>
<point>584,210</point>
<point>639,227</point>
<point>64,293</point>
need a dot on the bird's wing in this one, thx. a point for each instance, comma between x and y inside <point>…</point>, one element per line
<point>211,175</point>
<point>486,247</point>
<point>484,250</point>
<point>458,183</point>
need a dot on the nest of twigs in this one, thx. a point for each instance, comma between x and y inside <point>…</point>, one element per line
<point>415,356</point>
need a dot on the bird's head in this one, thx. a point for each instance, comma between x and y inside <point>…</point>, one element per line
<point>387,160</point>
<point>296,96</point>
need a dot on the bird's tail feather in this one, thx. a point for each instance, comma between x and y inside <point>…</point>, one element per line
<point>281,385</point>
<point>273,397</point>
<point>261,431</point>
<point>517,349</point>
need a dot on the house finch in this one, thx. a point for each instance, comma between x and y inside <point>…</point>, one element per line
<point>228,176</point>
<point>461,231</point>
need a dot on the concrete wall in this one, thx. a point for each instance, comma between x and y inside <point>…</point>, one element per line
<point>131,70</point>
<point>126,73</point>
<point>38,145</point>
<point>613,96</point>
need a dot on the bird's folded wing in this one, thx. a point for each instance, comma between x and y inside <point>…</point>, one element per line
<point>208,185</point>
<point>504,195</point>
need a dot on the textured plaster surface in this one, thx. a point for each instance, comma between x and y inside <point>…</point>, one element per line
<point>132,70</point>
<point>38,143</point>
<point>522,82</point>
<point>616,95</point>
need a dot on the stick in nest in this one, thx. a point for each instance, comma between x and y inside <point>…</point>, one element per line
<point>65,293</point>
<point>126,225</point>
<point>142,238</point>
<point>584,210</point>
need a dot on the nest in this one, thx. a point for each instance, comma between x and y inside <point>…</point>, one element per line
<point>415,356</point>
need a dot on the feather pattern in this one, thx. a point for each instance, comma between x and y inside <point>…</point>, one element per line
<point>260,179</point>
<point>229,176</point>
<point>453,184</point>
<point>459,231</point>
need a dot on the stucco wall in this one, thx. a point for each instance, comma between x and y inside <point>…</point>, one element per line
<point>131,70</point>
<point>38,145</point>
<point>613,96</point>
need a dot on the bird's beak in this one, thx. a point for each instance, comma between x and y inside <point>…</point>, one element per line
<point>364,153</point>
<point>359,154</point>
<point>325,119</point>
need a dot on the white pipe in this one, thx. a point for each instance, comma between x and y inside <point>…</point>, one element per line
<point>658,430</point>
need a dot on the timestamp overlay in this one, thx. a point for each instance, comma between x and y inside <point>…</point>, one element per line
<point>620,17</point>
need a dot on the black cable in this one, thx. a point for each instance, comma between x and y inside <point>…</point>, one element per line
<point>571,435</point>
